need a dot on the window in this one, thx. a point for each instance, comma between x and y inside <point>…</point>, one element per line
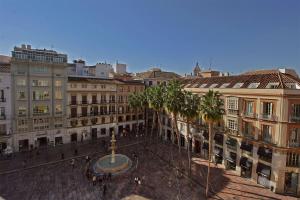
<point>224,85</point>
<point>22,110</point>
<point>249,107</point>
<point>296,110</point>
<point>248,129</point>
<point>102,86</point>
<point>21,95</point>
<point>22,122</point>
<point>40,95</point>
<point>84,85</point>
<point>232,103</point>
<point>40,69</point>
<point>95,86</point>
<point>58,94</point>
<point>272,85</point>
<point>21,82</point>
<point>232,124</point>
<point>73,85</point>
<point>58,108</point>
<point>253,85</point>
<point>58,83</point>
<point>150,83</point>
<point>267,108</point>
<point>238,85</point>
<point>41,83</point>
<point>267,133</point>
<point>40,109</point>
<point>294,140</point>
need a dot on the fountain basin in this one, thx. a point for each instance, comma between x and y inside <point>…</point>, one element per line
<point>103,165</point>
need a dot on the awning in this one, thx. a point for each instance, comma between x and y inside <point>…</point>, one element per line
<point>218,152</point>
<point>245,162</point>
<point>246,147</point>
<point>263,170</point>
<point>231,158</point>
<point>205,146</point>
<point>231,141</point>
<point>265,152</point>
<point>219,138</point>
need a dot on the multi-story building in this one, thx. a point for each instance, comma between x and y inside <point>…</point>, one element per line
<point>38,96</point>
<point>97,106</point>
<point>259,135</point>
<point>5,106</point>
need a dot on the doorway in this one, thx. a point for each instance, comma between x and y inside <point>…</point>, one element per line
<point>74,137</point>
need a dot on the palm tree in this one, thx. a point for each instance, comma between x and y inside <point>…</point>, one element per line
<point>211,111</point>
<point>156,102</point>
<point>174,97</point>
<point>142,98</point>
<point>189,112</point>
<point>134,103</point>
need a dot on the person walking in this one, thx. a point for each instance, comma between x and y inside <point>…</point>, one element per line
<point>87,159</point>
<point>75,152</point>
<point>62,156</point>
<point>94,180</point>
<point>104,190</point>
<point>73,163</point>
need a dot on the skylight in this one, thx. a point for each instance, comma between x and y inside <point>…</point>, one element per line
<point>238,85</point>
<point>272,85</point>
<point>253,85</point>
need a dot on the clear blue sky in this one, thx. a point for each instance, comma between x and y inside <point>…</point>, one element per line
<point>236,35</point>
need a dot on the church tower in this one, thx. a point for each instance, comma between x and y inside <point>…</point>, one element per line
<point>197,70</point>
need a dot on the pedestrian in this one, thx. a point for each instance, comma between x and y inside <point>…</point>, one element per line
<point>100,181</point>
<point>109,176</point>
<point>73,163</point>
<point>104,190</point>
<point>87,173</point>
<point>24,163</point>
<point>75,152</point>
<point>87,159</point>
<point>62,156</point>
<point>37,152</point>
<point>94,180</point>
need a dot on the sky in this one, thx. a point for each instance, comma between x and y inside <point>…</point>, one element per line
<point>232,36</point>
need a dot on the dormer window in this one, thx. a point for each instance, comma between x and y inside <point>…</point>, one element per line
<point>203,85</point>
<point>272,85</point>
<point>238,85</point>
<point>213,85</point>
<point>253,85</point>
<point>292,86</point>
<point>224,85</point>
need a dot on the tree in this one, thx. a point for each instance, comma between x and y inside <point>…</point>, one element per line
<point>156,102</point>
<point>134,103</point>
<point>174,97</point>
<point>211,109</point>
<point>189,111</point>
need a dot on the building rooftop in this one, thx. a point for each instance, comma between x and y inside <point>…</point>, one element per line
<point>103,80</point>
<point>273,79</point>
<point>157,73</point>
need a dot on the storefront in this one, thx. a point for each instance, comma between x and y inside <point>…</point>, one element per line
<point>231,161</point>
<point>263,175</point>
<point>94,134</point>
<point>23,145</point>
<point>205,148</point>
<point>182,140</point>
<point>246,167</point>
<point>42,141</point>
<point>58,140</point>
<point>218,155</point>
<point>291,183</point>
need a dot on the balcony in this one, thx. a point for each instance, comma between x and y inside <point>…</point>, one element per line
<point>102,101</point>
<point>249,115</point>
<point>2,99</point>
<point>94,114</point>
<point>73,103</point>
<point>2,117</point>
<point>294,119</point>
<point>233,132</point>
<point>85,102</point>
<point>247,135</point>
<point>293,143</point>
<point>84,115</point>
<point>73,115</point>
<point>58,112</point>
<point>41,113</point>
<point>269,117</point>
<point>293,159</point>
<point>112,101</point>
<point>232,112</point>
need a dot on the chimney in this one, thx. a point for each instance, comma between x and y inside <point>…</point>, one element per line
<point>28,46</point>
<point>23,46</point>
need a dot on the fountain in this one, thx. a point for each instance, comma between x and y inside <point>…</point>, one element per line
<point>113,163</point>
